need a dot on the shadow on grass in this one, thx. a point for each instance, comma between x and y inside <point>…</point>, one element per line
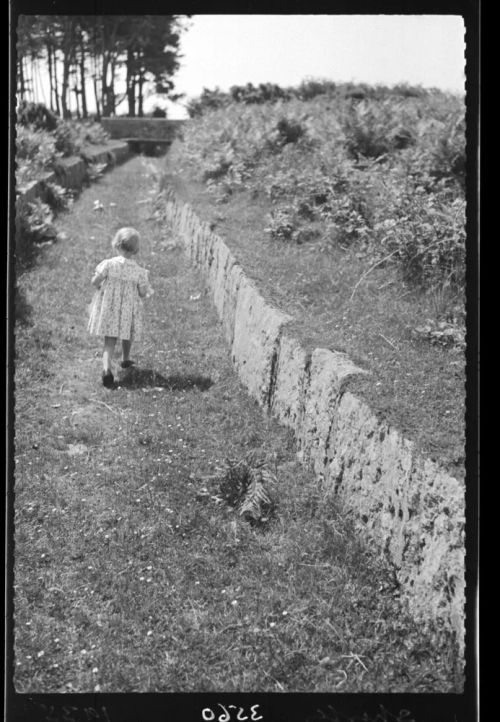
<point>136,378</point>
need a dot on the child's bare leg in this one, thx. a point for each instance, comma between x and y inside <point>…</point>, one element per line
<point>107,355</point>
<point>126,345</point>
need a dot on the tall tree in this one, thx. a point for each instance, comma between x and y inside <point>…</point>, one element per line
<point>29,46</point>
<point>152,56</point>
<point>139,51</point>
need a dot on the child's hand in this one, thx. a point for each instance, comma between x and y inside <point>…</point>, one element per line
<point>97,281</point>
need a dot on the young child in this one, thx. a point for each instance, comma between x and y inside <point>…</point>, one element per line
<point>116,311</point>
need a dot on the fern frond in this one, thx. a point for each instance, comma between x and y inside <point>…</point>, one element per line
<point>244,487</point>
<point>256,504</point>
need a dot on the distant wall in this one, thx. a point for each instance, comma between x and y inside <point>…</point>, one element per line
<point>412,509</point>
<point>160,129</point>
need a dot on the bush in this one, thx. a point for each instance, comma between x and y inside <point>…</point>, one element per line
<point>56,197</point>
<point>425,234</point>
<point>33,228</point>
<point>67,140</point>
<point>36,153</point>
<point>385,172</point>
<point>36,147</point>
<point>373,129</point>
<point>208,100</point>
<point>448,155</point>
<point>289,130</point>
<point>37,115</point>
<point>309,89</point>
<point>89,132</point>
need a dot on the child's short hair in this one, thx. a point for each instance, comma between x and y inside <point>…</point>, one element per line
<point>126,239</point>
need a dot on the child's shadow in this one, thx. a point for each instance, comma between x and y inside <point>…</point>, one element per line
<point>136,378</point>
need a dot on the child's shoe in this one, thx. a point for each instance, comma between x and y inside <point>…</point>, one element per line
<point>107,379</point>
<point>127,364</point>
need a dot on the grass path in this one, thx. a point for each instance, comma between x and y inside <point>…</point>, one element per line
<point>129,576</point>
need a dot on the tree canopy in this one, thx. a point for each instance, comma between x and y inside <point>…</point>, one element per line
<point>111,57</point>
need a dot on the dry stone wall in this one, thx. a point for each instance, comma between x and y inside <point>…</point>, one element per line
<point>72,171</point>
<point>411,508</point>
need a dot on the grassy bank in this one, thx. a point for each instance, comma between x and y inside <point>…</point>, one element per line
<point>356,234</point>
<point>131,573</point>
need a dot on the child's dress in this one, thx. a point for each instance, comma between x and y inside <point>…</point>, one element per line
<point>117,309</point>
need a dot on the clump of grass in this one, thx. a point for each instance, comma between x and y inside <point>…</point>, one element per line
<point>245,486</point>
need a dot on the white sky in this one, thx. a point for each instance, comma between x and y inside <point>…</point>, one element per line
<point>225,50</point>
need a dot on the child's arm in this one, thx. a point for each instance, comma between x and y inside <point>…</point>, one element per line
<point>144,287</point>
<point>98,279</point>
<point>100,274</point>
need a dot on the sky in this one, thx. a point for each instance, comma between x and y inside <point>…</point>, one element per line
<point>226,50</point>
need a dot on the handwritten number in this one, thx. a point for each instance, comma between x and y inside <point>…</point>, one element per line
<point>67,713</point>
<point>405,714</point>
<point>51,716</point>
<point>105,713</point>
<point>225,716</point>
<point>91,713</point>
<point>208,714</point>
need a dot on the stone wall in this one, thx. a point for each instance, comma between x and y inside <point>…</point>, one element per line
<point>72,171</point>
<point>160,129</point>
<point>405,503</point>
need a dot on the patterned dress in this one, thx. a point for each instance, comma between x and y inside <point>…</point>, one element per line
<point>117,309</point>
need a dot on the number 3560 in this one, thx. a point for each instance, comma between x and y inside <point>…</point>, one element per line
<point>209,715</point>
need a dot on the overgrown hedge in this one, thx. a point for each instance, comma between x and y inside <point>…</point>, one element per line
<point>42,139</point>
<point>250,94</point>
<point>382,168</point>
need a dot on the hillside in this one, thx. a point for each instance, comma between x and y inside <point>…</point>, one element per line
<point>348,209</point>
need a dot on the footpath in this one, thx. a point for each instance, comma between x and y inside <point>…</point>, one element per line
<point>131,573</point>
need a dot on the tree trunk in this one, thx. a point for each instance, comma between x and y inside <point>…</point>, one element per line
<point>141,95</point>
<point>65,84</point>
<point>20,71</point>
<point>95,84</point>
<point>82,80</point>
<point>130,85</point>
<point>105,87</point>
<point>56,84</point>
<point>94,66</point>
<point>112,94</point>
<point>32,76</point>
<point>67,62</point>
<point>76,92</point>
<point>51,81</point>
<point>97,104</point>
